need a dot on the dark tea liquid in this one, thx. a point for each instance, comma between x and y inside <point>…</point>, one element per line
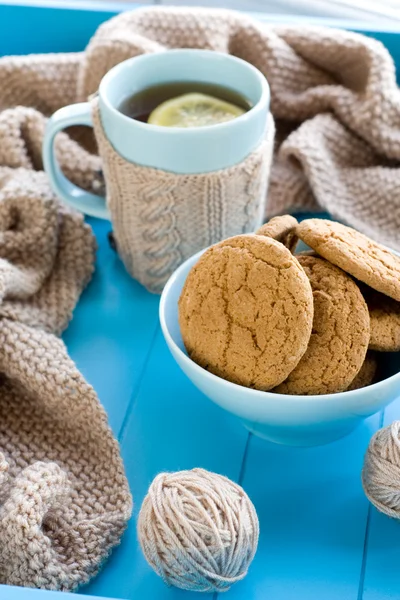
<point>140,105</point>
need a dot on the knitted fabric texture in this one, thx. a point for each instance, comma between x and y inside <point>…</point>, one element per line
<point>333,95</point>
<point>64,498</point>
<point>160,218</point>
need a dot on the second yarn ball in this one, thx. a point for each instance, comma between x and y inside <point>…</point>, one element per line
<point>381,472</point>
<point>198,530</point>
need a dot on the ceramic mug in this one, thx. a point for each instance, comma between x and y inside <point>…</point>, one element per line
<point>171,149</point>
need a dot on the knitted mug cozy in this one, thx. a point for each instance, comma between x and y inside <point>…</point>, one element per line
<point>333,94</point>
<point>160,218</point>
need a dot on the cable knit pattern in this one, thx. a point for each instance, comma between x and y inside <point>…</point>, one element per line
<point>333,96</point>
<point>64,498</point>
<point>160,219</point>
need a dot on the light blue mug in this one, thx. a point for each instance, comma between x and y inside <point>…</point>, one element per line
<point>177,150</point>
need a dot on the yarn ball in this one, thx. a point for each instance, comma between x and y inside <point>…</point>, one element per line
<point>198,530</point>
<point>381,472</point>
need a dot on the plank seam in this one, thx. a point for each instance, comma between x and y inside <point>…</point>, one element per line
<point>364,558</point>
<point>244,459</point>
<point>136,389</point>
<point>242,472</point>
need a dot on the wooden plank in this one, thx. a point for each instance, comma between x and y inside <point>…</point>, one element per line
<point>382,573</point>
<point>172,426</point>
<point>112,330</point>
<point>18,593</point>
<point>313,515</point>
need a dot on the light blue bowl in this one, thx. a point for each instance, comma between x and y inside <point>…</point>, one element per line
<point>284,419</point>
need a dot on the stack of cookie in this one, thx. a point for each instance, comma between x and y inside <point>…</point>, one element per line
<point>254,313</point>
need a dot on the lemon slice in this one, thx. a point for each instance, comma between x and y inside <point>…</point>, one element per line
<point>194,110</point>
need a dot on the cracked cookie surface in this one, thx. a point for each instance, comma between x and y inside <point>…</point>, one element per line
<point>355,253</point>
<point>366,374</point>
<point>282,229</point>
<point>246,311</point>
<point>384,315</point>
<point>340,333</point>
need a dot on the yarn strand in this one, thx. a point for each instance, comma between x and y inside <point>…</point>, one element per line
<point>198,530</point>
<point>381,472</point>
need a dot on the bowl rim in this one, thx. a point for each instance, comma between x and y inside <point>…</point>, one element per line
<point>235,386</point>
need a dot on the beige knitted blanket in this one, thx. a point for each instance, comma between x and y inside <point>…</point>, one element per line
<point>64,497</point>
<point>334,98</point>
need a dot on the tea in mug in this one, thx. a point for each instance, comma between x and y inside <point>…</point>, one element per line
<point>185,104</point>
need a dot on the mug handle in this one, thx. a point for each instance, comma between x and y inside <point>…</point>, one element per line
<point>90,204</point>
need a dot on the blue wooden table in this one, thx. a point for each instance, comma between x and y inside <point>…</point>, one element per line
<point>320,539</point>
